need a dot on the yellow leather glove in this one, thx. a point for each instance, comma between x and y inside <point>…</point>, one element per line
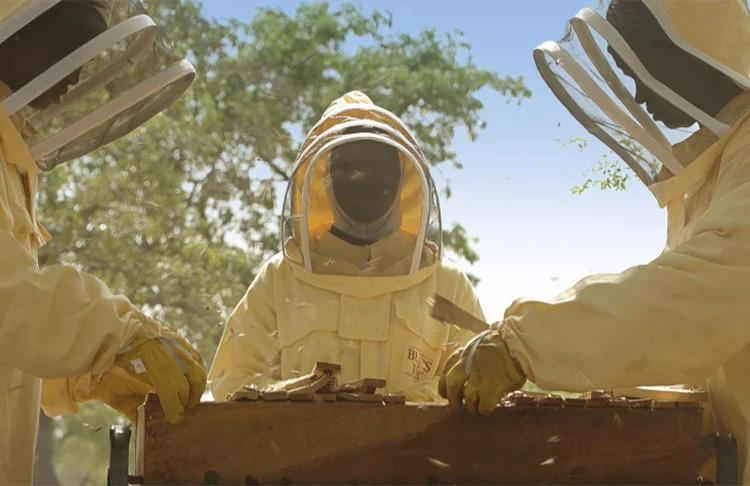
<point>160,361</point>
<point>478,375</point>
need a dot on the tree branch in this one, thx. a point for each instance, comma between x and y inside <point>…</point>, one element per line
<point>196,184</point>
<point>277,169</point>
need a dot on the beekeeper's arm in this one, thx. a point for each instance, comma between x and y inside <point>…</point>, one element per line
<point>57,321</point>
<point>674,320</point>
<point>65,326</point>
<point>249,351</point>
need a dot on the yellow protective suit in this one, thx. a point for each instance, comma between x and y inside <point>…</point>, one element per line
<point>359,306</point>
<point>376,327</point>
<point>54,323</point>
<point>682,318</point>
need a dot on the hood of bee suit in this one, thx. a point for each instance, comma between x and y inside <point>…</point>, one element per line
<point>717,33</point>
<point>410,228</point>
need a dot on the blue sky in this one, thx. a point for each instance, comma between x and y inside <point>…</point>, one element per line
<point>535,238</point>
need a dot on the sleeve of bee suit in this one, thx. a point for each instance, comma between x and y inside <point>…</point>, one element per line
<point>58,321</point>
<point>674,320</point>
<point>249,351</point>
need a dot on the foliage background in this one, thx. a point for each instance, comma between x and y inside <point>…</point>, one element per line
<point>180,214</point>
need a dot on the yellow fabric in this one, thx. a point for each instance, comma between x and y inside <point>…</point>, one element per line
<point>285,324</point>
<point>363,288</point>
<point>348,99</point>
<point>681,318</point>
<point>699,153</point>
<point>54,323</point>
<point>320,215</point>
<point>496,374</point>
<point>158,360</point>
<point>352,105</point>
<point>720,29</point>
<point>391,256</point>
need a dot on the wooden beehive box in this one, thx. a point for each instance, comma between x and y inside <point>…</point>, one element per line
<point>356,443</point>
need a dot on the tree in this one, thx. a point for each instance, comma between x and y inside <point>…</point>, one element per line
<point>609,173</point>
<point>180,214</point>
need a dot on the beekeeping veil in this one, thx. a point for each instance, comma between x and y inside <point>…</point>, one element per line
<point>583,74</point>
<point>411,225</point>
<point>128,75</point>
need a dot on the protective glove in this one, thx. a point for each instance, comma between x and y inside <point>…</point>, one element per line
<point>160,361</point>
<point>478,375</point>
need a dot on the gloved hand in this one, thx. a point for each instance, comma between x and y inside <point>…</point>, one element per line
<point>479,374</point>
<point>158,360</point>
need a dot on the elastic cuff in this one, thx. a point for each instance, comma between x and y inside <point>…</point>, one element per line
<point>515,372</point>
<point>515,346</point>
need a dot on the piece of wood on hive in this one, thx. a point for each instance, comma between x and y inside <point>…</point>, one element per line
<point>394,398</point>
<point>245,395</point>
<point>506,403</point>
<point>551,401</point>
<point>597,402</point>
<point>293,383</point>
<point>348,397</point>
<point>619,402</point>
<point>668,393</point>
<point>525,400</point>
<point>597,398</point>
<point>314,386</point>
<point>324,367</point>
<point>510,398</point>
<point>640,403</point>
<point>332,371</point>
<point>365,385</point>
<point>370,397</point>
<point>274,395</point>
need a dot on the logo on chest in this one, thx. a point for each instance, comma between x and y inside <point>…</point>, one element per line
<point>419,364</point>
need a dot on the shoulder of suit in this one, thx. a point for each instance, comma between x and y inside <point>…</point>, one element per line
<point>449,272</point>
